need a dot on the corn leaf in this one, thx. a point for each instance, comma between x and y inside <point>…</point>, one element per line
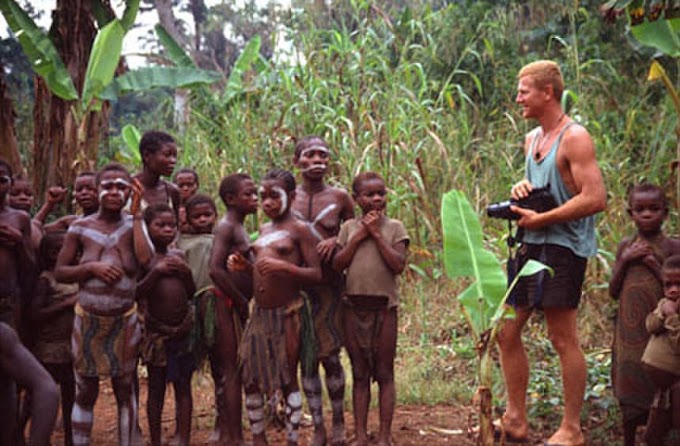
<point>104,58</point>
<point>147,78</point>
<point>175,51</point>
<point>40,51</point>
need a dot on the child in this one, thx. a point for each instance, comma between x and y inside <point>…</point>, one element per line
<point>233,290</point>
<point>16,255</point>
<point>167,288</point>
<point>52,315</point>
<point>661,359</point>
<point>373,252</point>
<point>159,155</point>
<point>186,180</point>
<point>636,283</point>
<point>285,259</point>
<point>85,196</point>
<point>324,208</point>
<point>99,255</point>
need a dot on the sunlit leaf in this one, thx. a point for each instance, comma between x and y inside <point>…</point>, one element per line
<point>175,51</point>
<point>104,58</point>
<point>245,60</point>
<point>147,78</point>
<point>40,51</point>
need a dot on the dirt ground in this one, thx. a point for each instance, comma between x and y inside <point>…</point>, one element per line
<point>412,426</point>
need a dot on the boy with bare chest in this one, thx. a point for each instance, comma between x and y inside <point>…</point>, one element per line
<point>167,288</point>
<point>233,290</point>
<point>324,208</point>
<point>98,254</point>
<point>285,259</point>
<point>16,254</point>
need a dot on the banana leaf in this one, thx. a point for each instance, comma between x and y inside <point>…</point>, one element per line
<point>250,55</point>
<point>147,78</point>
<point>40,51</point>
<point>104,58</point>
<point>662,34</point>
<point>465,256</point>
<point>130,14</point>
<point>175,51</point>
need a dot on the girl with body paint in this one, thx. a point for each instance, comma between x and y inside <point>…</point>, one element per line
<point>285,259</point>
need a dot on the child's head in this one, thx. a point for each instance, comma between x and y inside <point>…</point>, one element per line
<point>50,245</point>
<point>21,193</point>
<point>368,190</point>
<point>201,214</point>
<point>238,192</point>
<point>85,191</point>
<point>186,180</point>
<point>5,179</point>
<point>670,274</point>
<point>113,185</point>
<point>161,223</point>
<point>277,191</point>
<point>311,156</point>
<point>159,152</point>
<point>648,207</point>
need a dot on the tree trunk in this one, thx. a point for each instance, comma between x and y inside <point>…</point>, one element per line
<point>57,155</point>
<point>9,150</point>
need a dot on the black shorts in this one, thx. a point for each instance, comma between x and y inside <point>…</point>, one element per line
<point>562,290</point>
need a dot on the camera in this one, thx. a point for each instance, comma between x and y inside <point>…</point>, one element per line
<point>539,200</point>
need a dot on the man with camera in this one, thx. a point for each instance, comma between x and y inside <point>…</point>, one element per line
<point>560,155</point>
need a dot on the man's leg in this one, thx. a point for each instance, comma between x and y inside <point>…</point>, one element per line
<point>232,428</point>
<point>335,384</point>
<point>515,368</point>
<point>123,390</point>
<point>154,403</point>
<point>563,334</point>
<point>255,410</point>
<point>184,406</point>
<point>361,377</point>
<point>311,383</point>
<point>292,392</point>
<point>82,416</point>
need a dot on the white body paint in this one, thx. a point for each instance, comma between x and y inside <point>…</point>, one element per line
<point>266,240</point>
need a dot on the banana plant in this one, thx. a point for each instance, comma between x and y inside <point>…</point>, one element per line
<point>483,301</point>
<point>101,82</point>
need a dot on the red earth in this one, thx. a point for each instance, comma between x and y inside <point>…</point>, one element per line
<point>413,425</point>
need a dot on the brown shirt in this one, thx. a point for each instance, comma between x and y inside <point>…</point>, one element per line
<point>368,274</point>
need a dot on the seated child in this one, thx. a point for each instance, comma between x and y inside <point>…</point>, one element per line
<point>52,317</point>
<point>167,288</point>
<point>285,259</point>
<point>373,252</point>
<point>233,290</point>
<point>661,359</point>
<point>186,180</point>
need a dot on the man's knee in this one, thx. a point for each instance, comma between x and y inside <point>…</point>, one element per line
<point>361,374</point>
<point>564,342</point>
<point>384,375</point>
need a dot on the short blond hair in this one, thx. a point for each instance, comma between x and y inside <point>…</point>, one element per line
<point>544,73</point>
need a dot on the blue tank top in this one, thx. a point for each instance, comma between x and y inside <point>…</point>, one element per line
<point>577,235</point>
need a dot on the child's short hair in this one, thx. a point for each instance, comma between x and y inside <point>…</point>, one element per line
<point>155,210</point>
<point>152,141</point>
<point>115,167</point>
<point>287,178</point>
<point>187,170</point>
<point>644,188</point>
<point>86,173</point>
<point>197,199</point>
<point>672,262</point>
<point>230,184</point>
<point>309,141</point>
<point>364,176</point>
<point>7,167</point>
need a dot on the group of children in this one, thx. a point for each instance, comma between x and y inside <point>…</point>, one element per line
<point>646,350</point>
<point>147,273</point>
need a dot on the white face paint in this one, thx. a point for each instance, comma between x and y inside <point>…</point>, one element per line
<point>272,237</point>
<point>106,188</point>
<point>315,167</point>
<point>284,199</point>
<point>315,148</point>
